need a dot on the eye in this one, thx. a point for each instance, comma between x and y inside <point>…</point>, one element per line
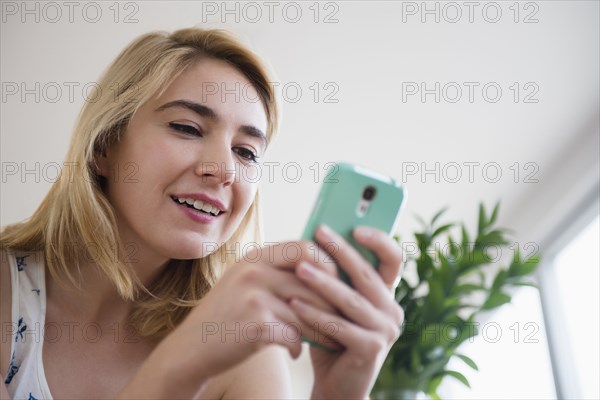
<point>246,154</point>
<point>188,129</point>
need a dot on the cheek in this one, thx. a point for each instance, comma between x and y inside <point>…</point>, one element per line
<point>156,159</point>
<point>244,194</point>
<point>142,171</point>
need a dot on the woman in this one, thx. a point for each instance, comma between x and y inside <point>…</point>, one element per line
<point>142,222</point>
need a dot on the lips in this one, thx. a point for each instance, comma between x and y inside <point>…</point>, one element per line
<point>200,203</point>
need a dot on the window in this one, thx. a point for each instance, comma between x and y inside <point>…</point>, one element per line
<point>576,270</point>
<point>512,348</point>
<point>511,352</point>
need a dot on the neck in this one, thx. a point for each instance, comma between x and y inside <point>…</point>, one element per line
<point>98,301</point>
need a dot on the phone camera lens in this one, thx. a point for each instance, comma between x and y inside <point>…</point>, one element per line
<point>369,193</point>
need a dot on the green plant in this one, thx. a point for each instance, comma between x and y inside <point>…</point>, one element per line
<point>451,291</point>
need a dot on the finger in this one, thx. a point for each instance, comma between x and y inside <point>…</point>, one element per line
<point>281,283</point>
<point>325,262</point>
<point>347,300</point>
<point>363,345</point>
<point>387,250</point>
<point>286,285</point>
<point>363,276</point>
<point>295,328</point>
<point>286,255</point>
<point>266,320</point>
<point>274,321</point>
<point>282,336</point>
<point>351,303</point>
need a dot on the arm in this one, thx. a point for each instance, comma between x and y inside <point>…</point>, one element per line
<point>166,373</point>
<point>3,391</point>
<point>264,376</point>
<point>213,338</point>
<point>5,318</point>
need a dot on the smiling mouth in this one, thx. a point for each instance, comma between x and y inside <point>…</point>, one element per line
<point>198,205</point>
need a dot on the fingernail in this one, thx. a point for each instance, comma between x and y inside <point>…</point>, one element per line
<point>295,302</point>
<point>326,231</point>
<point>306,270</point>
<point>363,232</point>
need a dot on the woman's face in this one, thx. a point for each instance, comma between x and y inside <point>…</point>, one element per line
<point>197,144</point>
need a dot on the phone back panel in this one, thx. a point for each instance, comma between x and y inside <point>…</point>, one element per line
<point>339,201</point>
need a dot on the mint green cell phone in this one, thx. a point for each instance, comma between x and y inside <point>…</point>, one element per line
<point>351,196</point>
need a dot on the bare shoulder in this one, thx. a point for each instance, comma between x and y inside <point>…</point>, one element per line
<point>265,375</point>
<point>5,312</point>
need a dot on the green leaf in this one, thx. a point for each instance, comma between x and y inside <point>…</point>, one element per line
<point>460,377</point>
<point>514,268</point>
<point>438,214</point>
<point>404,289</point>
<point>481,277</point>
<point>534,259</point>
<point>494,238</point>
<point>530,284</point>
<point>421,221</point>
<point>441,229</point>
<point>469,329</point>
<point>434,300</point>
<point>517,256</point>
<point>455,249</point>
<point>478,257</point>
<point>415,359</point>
<point>424,267</point>
<point>468,361</point>
<point>494,214</point>
<point>533,262</point>
<point>423,241</point>
<point>466,288</point>
<point>527,268</point>
<point>433,385</point>
<point>451,302</point>
<point>500,279</point>
<point>446,273</point>
<point>465,237</point>
<point>482,224</point>
<point>495,300</point>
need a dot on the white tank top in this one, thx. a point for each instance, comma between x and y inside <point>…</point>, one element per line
<point>25,378</point>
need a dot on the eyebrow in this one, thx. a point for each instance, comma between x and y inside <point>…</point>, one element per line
<point>209,113</point>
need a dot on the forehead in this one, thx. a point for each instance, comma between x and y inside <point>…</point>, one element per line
<point>221,87</point>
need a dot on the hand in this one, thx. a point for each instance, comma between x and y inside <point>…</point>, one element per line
<point>248,309</point>
<point>371,317</point>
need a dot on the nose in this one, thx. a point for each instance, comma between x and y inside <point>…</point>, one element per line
<point>216,164</point>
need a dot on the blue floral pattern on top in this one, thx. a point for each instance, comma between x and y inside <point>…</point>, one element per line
<point>12,370</point>
<point>20,329</point>
<point>24,376</point>
<point>21,262</point>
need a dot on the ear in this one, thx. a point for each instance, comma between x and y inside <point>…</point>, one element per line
<point>102,164</point>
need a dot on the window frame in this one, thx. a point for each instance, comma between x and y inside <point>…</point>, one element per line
<point>563,363</point>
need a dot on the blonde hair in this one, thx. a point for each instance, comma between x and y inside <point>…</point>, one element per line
<point>76,210</point>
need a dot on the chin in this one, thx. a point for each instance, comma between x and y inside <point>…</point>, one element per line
<point>188,248</point>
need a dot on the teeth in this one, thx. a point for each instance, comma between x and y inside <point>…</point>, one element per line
<point>199,205</point>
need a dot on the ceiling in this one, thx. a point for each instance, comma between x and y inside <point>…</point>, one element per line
<point>365,64</point>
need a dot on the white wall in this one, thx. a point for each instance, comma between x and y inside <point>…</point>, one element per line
<point>372,52</point>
